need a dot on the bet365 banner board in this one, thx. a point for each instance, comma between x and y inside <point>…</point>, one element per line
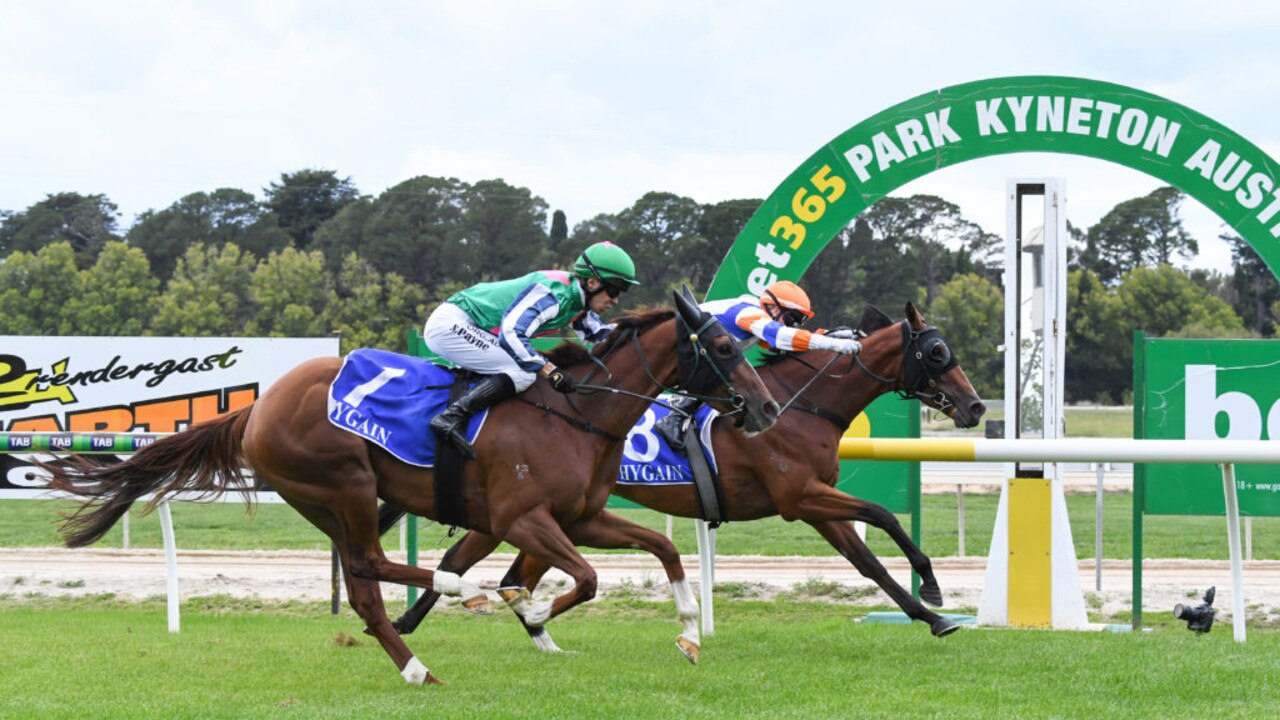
<point>1207,390</point>
<point>135,384</point>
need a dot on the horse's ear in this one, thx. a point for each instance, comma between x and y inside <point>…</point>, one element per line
<point>914,318</point>
<point>687,306</point>
<point>873,319</point>
<point>688,295</point>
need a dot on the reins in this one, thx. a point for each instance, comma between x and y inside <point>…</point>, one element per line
<point>584,388</point>
<point>584,425</point>
<point>903,383</point>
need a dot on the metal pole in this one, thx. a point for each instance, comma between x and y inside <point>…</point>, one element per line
<point>1100,469</point>
<point>1248,538</point>
<point>170,566</point>
<point>335,575</point>
<point>706,563</point>
<point>1233,542</point>
<point>412,553</point>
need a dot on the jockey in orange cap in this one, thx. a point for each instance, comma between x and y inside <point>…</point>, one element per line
<point>775,319</point>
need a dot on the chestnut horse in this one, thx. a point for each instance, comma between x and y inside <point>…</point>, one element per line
<point>545,465</point>
<point>792,471</point>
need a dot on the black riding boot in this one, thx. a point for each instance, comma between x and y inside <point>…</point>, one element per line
<point>452,423</point>
<point>672,427</point>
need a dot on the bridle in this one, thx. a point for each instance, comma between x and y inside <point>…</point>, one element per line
<point>700,372</point>
<point>922,364</point>
<point>925,358</point>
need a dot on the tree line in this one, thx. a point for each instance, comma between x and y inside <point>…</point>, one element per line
<point>313,256</point>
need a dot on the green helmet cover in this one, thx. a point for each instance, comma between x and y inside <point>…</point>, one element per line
<point>608,262</point>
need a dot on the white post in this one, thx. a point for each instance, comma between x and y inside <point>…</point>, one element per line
<point>1248,538</point>
<point>1100,469</point>
<point>669,528</point>
<point>404,533</point>
<point>125,526</point>
<point>706,563</point>
<point>960,513</point>
<point>170,565</point>
<point>1233,543</point>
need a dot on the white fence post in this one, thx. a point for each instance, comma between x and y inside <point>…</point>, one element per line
<point>1233,543</point>
<point>706,566</point>
<point>170,565</point>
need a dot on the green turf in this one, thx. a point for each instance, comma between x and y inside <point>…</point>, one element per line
<point>103,660</point>
<point>1080,421</point>
<point>30,523</point>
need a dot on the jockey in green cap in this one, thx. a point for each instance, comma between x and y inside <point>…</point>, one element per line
<point>486,329</point>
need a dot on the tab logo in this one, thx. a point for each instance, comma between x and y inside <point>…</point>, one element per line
<point>19,443</point>
<point>102,442</point>
<point>60,442</point>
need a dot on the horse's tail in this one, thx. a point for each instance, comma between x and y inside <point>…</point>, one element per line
<point>204,459</point>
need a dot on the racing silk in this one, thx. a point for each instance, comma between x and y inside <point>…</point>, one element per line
<point>517,309</point>
<point>748,322</point>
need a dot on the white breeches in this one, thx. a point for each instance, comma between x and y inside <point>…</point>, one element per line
<point>451,334</point>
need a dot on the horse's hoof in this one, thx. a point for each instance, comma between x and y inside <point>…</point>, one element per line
<point>930,593</point>
<point>398,625</point>
<point>432,680</point>
<point>479,605</point>
<point>689,648</point>
<point>943,627</point>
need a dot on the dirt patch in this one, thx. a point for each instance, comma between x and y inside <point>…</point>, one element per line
<point>306,576</point>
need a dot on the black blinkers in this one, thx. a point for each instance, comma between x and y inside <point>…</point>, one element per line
<point>702,370</point>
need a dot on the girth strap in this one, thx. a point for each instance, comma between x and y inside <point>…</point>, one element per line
<point>450,475</point>
<point>705,482</point>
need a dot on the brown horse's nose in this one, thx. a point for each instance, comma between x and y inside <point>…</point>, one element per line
<point>977,409</point>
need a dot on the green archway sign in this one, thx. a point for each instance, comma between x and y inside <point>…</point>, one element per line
<point>1204,159</point>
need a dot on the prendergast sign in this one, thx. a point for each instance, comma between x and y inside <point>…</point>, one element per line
<point>134,384</point>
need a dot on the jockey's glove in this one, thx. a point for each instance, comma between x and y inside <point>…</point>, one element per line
<point>844,346</point>
<point>560,381</point>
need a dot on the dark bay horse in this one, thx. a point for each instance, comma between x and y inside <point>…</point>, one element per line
<point>793,469</point>
<point>544,468</point>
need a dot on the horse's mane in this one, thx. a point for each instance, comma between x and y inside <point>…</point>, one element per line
<point>569,353</point>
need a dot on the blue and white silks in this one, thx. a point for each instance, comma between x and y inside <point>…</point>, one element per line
<point>388,399</point>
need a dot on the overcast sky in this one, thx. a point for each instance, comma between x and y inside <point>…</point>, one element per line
<point>587,104</point>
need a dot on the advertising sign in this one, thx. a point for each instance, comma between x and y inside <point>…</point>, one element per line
<point>132,384</point>
<point>1222,170</point>
<point>1207,390</point>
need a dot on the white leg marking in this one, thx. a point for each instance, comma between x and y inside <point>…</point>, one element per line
<point>447,583</point>
<point>414,672</point>
<point>519,599</point>
<point>687,609</point>
<point>545,643</point>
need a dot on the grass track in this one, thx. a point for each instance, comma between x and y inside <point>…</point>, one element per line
<point>767,660</point>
